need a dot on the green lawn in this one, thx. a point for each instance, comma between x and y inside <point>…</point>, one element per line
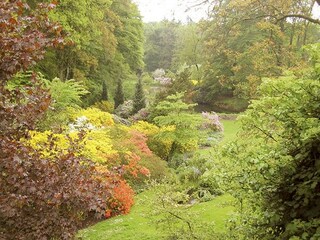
<point>138,225</point>
<point>231,128</point>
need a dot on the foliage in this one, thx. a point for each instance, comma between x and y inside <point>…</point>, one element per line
<point>31,31</point>
<point>95,116</point>
<point>130,33</point>
<point>146,128</point>
<point>67,93</point>
<point>121,201</point>
<point>139,101</point>
<point>133,151</point>
<point>124,110</point>
<point>278,178</point>
<point>188,48</point>
<point>118,96</point>
<point>212,121</point>
<point>106,44</point>
<point>48,197</point>
<point>177,125</point>
<point>105,106</point>
<point>66,96</point>
<point>158,73</point>
<point>141,115</point>
<point>42,196</point>
<point>245,42</point>
<point>160,44</point>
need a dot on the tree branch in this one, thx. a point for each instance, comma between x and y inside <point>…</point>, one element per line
<point>310,19</point>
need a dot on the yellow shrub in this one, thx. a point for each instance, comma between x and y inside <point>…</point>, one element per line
<point>95,116</point>
<point>146,128</point>
<point>97,145</point>
<point>39,142</point>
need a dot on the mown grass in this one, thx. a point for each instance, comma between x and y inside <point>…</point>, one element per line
<point>140,224</point>
<point>231,128</point>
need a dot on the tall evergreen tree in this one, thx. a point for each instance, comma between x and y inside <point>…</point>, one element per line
<point>139,100</point>
<point>104,94</point>
<point>118,96</point>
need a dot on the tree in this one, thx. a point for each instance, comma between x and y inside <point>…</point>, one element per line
<point>118,96</point>
<point>278,179</point>
<point>130,33</point>
<point>139,100</point>
<point>160,44</point>
<point>107,40</point>
<point>178,124</point>
<point>31,33</point>
<point>188,46</point>
<point>249,41</point>
<point>104,94</point>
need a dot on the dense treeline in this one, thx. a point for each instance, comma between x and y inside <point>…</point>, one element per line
<point>105,45</point>
<point>240,44</point>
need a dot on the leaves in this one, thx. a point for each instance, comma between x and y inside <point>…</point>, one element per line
<point>24,37</point>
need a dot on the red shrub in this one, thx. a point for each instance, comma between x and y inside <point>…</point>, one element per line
<point>121,200</point>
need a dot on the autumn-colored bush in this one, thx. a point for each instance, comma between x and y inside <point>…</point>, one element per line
<point>132,148</point>
<point>121,200</point>
<point>50,197</point>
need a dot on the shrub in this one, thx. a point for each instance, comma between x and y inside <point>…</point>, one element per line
<point>95,117</point>
<point>47,197</point>
<point>105,106</point>
<point>148,129</point>
<point>42,195</point>
<point>124,110</point>
<point>211,122</point>
<point>279,154</point>
<point>121,200</point>
<point>141,115</point>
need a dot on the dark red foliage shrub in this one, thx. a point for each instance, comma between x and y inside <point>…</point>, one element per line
<point>24,35</point>
<point>40,197</point>
<point>46,198</point>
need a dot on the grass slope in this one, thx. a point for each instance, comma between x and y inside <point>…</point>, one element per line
<point>138,225</point>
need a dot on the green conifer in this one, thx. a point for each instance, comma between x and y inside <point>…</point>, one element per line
<point>118,96</point>
<point>104,94</point>
<point>139,100</point>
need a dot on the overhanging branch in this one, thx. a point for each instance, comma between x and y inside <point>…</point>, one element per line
<point>310,19</point>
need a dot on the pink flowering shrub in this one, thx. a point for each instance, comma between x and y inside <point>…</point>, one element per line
<point>211,121</point>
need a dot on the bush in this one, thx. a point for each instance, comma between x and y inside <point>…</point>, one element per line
<point>279,157</point>
<point>95,117</point>
<point>42,195</point>
<point>124,110</point>
<point>211,122</point>
<point>141,115</point>
<point>105,106</point>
